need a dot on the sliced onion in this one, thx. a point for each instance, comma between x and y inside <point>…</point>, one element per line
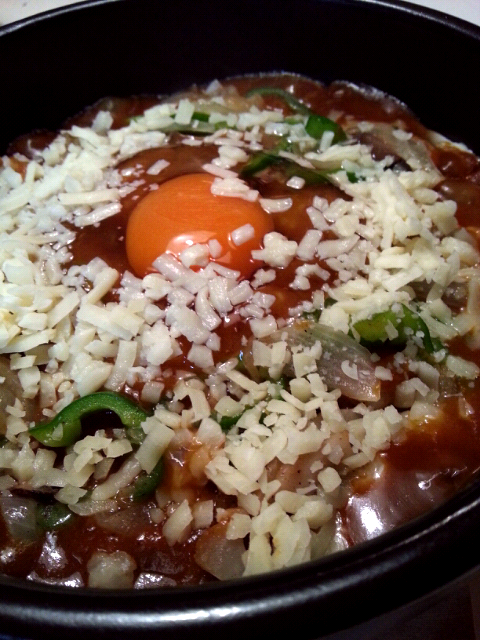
<point>91,507</point>
<point>455,295</point>
<point>132,520</point>
<point>338,349</point>
<point>219,556</point>
<point>463,292</point>
<point>413,151</point>
<point>20,515</point>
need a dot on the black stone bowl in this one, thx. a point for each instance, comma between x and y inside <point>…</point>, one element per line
<point>407,584</point>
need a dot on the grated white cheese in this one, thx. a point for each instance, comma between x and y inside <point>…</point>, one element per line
<point>69,330</point>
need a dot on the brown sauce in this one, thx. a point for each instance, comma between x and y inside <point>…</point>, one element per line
<point>427,467</point>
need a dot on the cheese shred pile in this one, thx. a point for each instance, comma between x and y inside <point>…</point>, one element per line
<point>292,443</point>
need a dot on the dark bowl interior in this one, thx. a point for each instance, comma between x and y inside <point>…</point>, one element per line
<point>59,62</point>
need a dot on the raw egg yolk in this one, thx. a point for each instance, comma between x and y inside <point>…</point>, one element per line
<point>183,212</point>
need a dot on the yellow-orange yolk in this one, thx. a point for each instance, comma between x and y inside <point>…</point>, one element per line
<point>183,212</point>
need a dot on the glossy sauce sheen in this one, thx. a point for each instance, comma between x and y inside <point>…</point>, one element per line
<point>427,466</point>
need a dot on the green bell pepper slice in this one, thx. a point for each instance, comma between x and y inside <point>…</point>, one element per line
<point>407,324</point>
<point>66,427</point>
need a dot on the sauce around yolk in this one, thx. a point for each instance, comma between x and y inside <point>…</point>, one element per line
<point>183,212</point>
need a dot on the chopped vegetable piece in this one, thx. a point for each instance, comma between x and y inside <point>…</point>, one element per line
<point>343,363</point>
<point>146,485</point>
<point>263,160</point>
<point>53,516</point>
<point>227,422</point>
<point>407,324</point>
<point>195,128</point>
<point>317,125</point>
<point>260,161</point>
<point>309,175</point>
<point>66,426</point>
<point>200,126</point>
<point>291,101</point>
<point>202,117</point>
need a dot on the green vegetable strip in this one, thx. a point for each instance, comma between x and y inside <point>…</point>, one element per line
<point>66,426</point>
<point>408,324</point>
<point>317,125</point>
<point>309,175</point>
<point>373,329</point>
<point>53,516</point>
<point>146,485</point>
<point>203,128</point>
<point>286,96</point>
<point>265,159</point>
<point>259,162</point>
<point>227,422</point>
<point>199,115</point>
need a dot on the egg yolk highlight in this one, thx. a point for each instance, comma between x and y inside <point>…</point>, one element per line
<point>183,212</point>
